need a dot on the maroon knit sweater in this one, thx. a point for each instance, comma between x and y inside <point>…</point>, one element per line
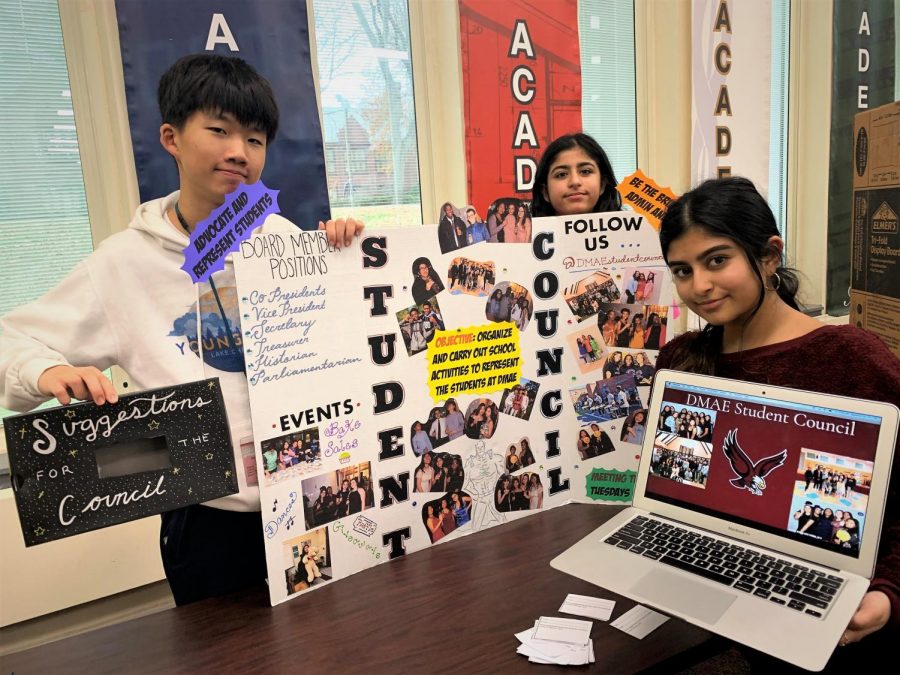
<point>841,360</point>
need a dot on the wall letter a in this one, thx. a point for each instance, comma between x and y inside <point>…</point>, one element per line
<point>220,34</point>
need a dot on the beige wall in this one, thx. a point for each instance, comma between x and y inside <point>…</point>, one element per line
<point>71,571</point>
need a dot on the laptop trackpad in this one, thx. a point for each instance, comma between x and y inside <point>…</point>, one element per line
<point>691,598</point>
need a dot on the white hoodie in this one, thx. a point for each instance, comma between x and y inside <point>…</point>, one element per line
<point>130,304</point>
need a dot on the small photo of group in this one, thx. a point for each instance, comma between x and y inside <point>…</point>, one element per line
<point>518,400</point>
<point>510,302</point>
<point>634,428</point>
<point>446,514</point>
<point>586,296</point>
<point>418,324</point>
<point>308,560</point>
<point>586,345</point>
<point>680,460</point>
<point>438,472</point>
<point>509,221</point>
<point>643,284</point>
<point>426,281</point>
<point>518,456</point>
<point>606,400</point>
<point>687,421</point>
<point>336,494</point>
<point>443,424</point>
<point>633,326</point>
<point>830,499</point>
<point>594,441</point>
<point>482,417</point>
<point>291,455</point>
<point>471,277</point>
<point>524,492</point>
<point>634,362</point>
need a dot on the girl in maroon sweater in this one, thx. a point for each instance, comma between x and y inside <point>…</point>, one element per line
<point>722,246</point>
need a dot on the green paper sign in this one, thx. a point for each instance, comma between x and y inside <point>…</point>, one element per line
<point>610,485</point>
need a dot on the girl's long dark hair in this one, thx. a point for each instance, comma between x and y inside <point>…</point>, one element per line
<point>731,208</point>
<point>609,199</point>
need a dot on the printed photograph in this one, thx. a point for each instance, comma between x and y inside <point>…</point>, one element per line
<point>438,472</point>
<point>686,421</point>
<point>426,281</point>
<point>470,277</point>
<point>336,494</point>
<point>418,324</point>
<point>629,361</point>
<point>633,326</point>
<point>482,417</point>
<point>451,232</point>
<point>510,302</point>
<point>519,456</point>
<point>586,296</point>
<point>476,228</point>
<point>447,514</point>
<point>291,455</point>
<point>606,400</point>
<point>509,221</point>
<point>830,499</point>
<point>634,427</point>
<point>443,424</point>
<point>518,400</point>
<point>594,441</point>
<point>680,460</point>
<point>524,492</point>
<point>643,284</point>
<point>307,560</point>
<point>587,348</point>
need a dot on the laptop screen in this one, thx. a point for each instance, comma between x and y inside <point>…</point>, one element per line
<point>799,471</point>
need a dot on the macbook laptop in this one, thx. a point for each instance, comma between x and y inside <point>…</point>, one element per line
<point>757,513</point>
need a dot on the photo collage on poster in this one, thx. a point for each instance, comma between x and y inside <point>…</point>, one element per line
<point>619,322</point>
<point>788,469</point>
<point>431,388</point>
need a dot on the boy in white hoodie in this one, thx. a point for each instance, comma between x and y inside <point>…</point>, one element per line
<point>130,304</point>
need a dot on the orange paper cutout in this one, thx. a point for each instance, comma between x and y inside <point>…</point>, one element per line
<point>645,196</point>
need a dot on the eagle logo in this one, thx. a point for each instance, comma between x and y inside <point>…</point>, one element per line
<point>750,475</point>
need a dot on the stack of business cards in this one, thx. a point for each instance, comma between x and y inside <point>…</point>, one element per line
<point>564,642</point>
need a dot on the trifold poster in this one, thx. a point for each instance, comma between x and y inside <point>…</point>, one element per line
<point>403,397</point>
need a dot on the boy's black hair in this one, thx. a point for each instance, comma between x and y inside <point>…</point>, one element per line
<point>217,84</point>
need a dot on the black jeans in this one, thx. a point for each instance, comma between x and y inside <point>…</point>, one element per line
<point>208,552</point>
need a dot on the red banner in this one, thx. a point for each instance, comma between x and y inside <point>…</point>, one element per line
<point>522,88</point>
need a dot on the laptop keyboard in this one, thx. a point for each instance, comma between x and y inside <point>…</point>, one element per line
<point>784,582</point>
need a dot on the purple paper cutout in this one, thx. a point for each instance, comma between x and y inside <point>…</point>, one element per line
<point>222,233</point>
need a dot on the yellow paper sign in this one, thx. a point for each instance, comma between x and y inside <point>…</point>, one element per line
<point>477,359</point>
<point>645,196</point>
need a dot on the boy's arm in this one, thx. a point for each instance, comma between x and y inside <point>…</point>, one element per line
<point>57,343</point>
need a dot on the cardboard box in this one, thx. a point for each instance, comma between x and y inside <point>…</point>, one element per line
<point>875,238</point>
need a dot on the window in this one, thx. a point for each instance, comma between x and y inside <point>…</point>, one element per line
<point>368,115</point>
<point>606,37</point>
<point>45,227</point>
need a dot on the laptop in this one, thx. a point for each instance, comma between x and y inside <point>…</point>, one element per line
<point>756,515</point>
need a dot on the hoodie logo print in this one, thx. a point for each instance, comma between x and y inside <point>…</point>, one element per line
<point>220,350</point>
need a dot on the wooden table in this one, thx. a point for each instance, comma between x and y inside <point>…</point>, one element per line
<point>452,608</point>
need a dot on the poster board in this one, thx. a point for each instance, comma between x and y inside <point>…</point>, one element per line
<point>83,467</point>
<point>875,248</point>
<point>401,397</point>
